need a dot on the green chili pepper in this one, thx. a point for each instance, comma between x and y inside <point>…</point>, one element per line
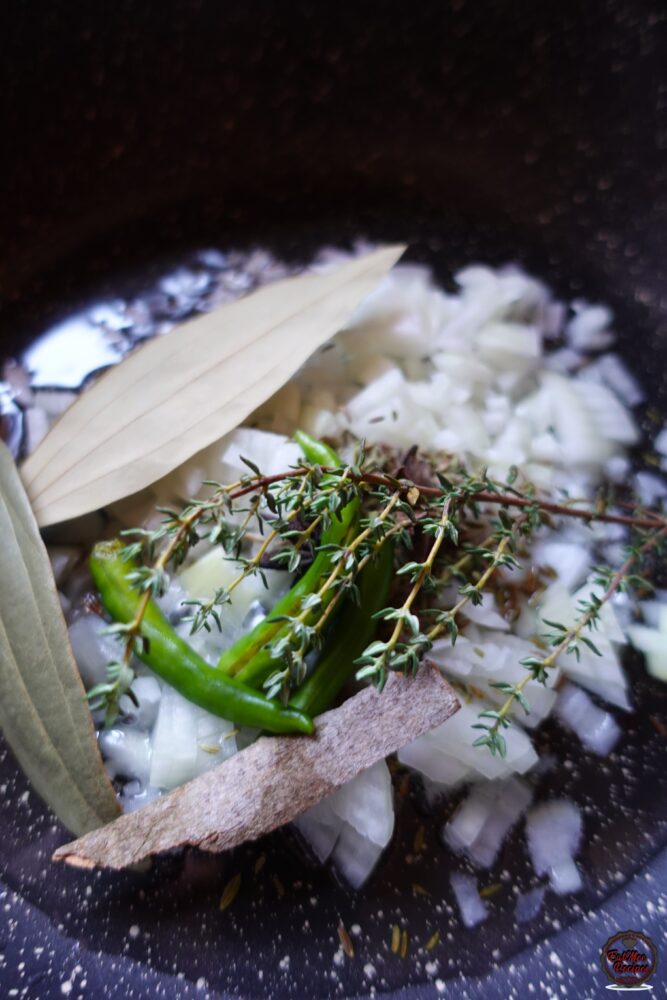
<point>263,664</point>
<point>345,645</point>
<point>174,660</point>
<point>316,451</point>
<point>235,659</point>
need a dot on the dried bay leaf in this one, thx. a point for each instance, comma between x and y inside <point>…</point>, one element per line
<point>43,709</point>
<point>186,389</point>
<point>275,779</point>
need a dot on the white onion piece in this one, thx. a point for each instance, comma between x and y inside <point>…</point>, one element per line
<point>588,329</point>
<point>660,443</point>
<point>355,856</point>
<point>510,344</point>
<point>366,803</point>
<point>483,820</point>
<point>611,371</point>
<point>186,741</point>
<point>654,612</point>
<point>371,400</point>
<point>353,825</point>
<point>272,453</point>
<point>570,561</point>
<point>472,907</point>
<point>213,571</point>
<point>617,468</point>
<point>127,753</point>
<point>529,904</point>
<point>174,743</point>
<point>487,658</point>
<point>564,360</point>
<point>597,730</point>
<point>93,650</point>
<point>603,675</point>
<point>134,796</point>
<point>486,614</point>
<point>553,833</point>
<point>320,827</point>
<point>653,644</point>
<point>565,877</point>
<point>437,767</point>
<point>148,692</point>
<point>454,740</point>
<point>573,425</point>
<point>613,421</point>
<point>650,488</point>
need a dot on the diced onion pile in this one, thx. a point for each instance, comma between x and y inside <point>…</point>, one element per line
<point>499,374</point>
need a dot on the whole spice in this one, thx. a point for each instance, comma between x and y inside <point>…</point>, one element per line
<point>274,779</point>
<point>198,382</point>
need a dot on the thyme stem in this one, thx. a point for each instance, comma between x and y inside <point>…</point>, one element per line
<point>573,634</point>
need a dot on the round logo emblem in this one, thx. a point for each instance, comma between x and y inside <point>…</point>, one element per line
<point>629,958</point>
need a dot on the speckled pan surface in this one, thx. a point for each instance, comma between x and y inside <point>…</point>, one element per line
<point>489,130</point>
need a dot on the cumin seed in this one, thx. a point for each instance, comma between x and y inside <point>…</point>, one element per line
<point>395,939</point>
<point>345,941</point>
<point>433,941</point>
<point>230,892</point>
<point>490,890</point>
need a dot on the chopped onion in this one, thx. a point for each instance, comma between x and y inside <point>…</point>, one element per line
<point>483,820</point>
<point>186,741</point>
<point>653,644</point>
<point>353,825</point>
<point>472,907</point>
<point>529,904</point>
<point>93,650</point>
<point>272,453</point>
<point>611,371</point>
<point>355,856</point>
<point>570,561</point>
<point>553,833</point>
<point>588,329</point>
<point>127,753</point>
<point>147,692</point>
<point>437,767</point>
<point>432,754</point>
<point>214,571</point>
<point>651,488</point>
<point>660,443</point>
<point>602,674</point>
<point>597,730</point>
<point>320,827</point>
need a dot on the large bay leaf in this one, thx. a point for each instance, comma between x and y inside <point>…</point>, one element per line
<point>275,779</point>
<point>43,710</point>
<point>184,390</point>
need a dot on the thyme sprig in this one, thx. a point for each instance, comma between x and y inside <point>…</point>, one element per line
<point>435,528</point>
<point>565,641</point>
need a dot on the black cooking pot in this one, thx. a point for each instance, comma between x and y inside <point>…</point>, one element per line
<point>494,131</point>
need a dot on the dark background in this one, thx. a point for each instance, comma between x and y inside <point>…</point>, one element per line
<point>523,131</point>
